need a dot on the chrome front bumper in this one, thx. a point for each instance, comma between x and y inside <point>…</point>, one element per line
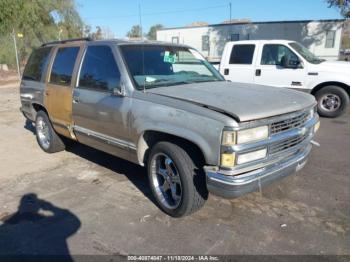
<point>231,186</point>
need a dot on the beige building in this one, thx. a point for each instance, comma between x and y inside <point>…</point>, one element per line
<point>322,37</point>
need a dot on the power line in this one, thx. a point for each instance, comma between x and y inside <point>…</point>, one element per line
<point>158,13</point>
<point>188,10</point>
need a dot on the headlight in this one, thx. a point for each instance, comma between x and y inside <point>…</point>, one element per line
<point>251,156</point>
<point>252,134</point>
<point>228,138</point>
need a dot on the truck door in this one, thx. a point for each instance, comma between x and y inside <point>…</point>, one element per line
<point>238,63</point>
<point>58,91</point>
<point>279,66</point>
<point>99,113</point>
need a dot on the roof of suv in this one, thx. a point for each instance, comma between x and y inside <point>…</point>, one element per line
<point>116,41</point>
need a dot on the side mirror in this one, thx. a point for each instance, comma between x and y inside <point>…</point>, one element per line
<point>295,63</point>
<point>286,62</point>
<point>115,85</point>
<point>117,91</point>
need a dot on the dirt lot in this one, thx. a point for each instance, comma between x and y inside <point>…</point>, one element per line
<point>82,201</point>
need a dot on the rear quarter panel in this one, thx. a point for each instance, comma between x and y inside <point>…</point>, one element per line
<point>31,92</point>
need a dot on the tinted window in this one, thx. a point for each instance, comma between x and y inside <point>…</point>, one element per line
<point>99,70</point>
<point>175,39</point>
<point>62,68</point>
<point>242,54</point>
<point>205,43</point>
<point>330,37</point>
<point>273,54</point>
<point>37,64</point>
<point>234,37</point>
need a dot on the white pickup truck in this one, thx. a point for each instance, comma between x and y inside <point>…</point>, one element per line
<point>283,63</point>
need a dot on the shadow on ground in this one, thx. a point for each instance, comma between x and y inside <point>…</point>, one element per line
<point>37,228</point>
<point>136,174</point>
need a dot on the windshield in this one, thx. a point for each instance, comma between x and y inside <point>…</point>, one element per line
<point>304,52</point>
<point>154,66</point>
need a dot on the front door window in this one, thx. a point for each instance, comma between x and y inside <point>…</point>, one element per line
<point>273,54</point>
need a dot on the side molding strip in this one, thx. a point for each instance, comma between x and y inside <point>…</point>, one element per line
<point>107,139</point>
<point>59,124</point>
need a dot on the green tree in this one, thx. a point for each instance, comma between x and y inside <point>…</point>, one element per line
<point>97,35</point>
<point>39,21</point>
<point>87,31</point>
<point>134,32</point>
<point>152,33</point>
<point>342,5</point>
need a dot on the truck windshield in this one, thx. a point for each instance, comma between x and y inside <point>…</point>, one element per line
<point>154,66</point>
<point>304,52</point>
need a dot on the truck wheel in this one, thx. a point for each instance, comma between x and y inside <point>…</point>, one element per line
<point>332,101</point>
<point>176,182</point>
<point>47,138</point>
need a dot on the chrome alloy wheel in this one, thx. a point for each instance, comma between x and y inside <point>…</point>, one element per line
<point>166,181</point>
<point>330,102</point>
<point>43,132</point>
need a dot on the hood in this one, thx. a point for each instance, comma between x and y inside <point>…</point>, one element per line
<point>332,66</point>
<point>244,102</point>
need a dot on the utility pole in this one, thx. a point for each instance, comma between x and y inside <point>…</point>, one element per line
<point>59,33</point>
<point>140,22</point>
<point>230,20</point>
<point>15,44</point>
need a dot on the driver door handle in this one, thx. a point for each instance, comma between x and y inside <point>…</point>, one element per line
<point>258,72</point>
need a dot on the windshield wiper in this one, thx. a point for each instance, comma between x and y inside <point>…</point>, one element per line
<point>202,79</point>
<point>208,80</point>
<point>165,83</point>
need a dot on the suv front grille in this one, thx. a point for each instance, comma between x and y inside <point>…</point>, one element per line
<point>287,144</point>
<point>287,124</point>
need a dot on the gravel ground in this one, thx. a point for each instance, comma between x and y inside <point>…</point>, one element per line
<point>82,201</point>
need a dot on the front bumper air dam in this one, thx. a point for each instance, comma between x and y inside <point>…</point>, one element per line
<point>235,186</point>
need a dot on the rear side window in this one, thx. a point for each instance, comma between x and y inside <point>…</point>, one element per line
<point>99,70</point>
<point>62,68</point>
<point>242,54</point>
<point>36,64</point>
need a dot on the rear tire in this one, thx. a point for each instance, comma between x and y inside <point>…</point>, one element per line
<point>332,101</point>
<point>178,185</point>
<point>47,138</point>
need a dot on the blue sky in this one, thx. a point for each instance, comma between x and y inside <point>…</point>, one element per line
<point>119,16</point>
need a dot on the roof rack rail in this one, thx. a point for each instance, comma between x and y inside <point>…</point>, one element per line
<point>67,41</point>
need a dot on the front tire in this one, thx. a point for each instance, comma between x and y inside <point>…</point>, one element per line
<point>47,138</point>
<point>178,185</point>
<point>332,101</point>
